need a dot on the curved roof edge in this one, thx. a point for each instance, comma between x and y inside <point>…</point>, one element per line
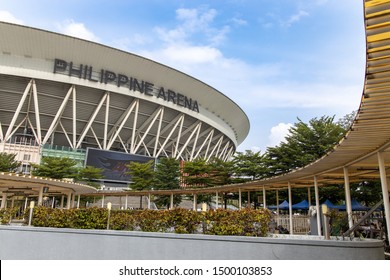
<point>243,128</point>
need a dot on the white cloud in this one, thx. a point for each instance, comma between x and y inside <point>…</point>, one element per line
<point>294,18</point>
<point>77,29</point>
<point>8,17</point>
<point>278,134</point>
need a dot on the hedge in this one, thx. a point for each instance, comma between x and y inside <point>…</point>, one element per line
<point>245,222</point>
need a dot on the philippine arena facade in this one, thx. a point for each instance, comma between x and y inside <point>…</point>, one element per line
<point>62,96</point>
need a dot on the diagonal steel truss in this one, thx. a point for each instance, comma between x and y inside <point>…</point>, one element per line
<point>72,116</point>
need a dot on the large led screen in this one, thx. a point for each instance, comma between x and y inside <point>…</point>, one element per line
<point>113,163</point>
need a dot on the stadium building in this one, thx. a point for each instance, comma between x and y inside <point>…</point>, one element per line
<point>67,97</point>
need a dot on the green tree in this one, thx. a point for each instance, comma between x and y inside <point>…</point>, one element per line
<point>8,162</point>
<point>167,177</point>
<point>220,172</point>
<point>196,173</point>
<point>248,165</point>
<point>142,175</point>
<point>90,174</point>
<point>56,168</point>
<point>305,143</point>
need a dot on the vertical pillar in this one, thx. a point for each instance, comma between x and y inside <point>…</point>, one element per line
<point>40,196</point>
<point>277,202</point>
<point>239,198</point>
<point>195,203</point>
<point>249,200</point>
<point>216,200</point>
<point>78,201</point>
<point>171,204</point>
<point>290,208</point>
<point>53,202</point>
<point>73,199</point>
<point>308,196</point>
<point>68,200</point>
<point>103,201</point>
<point>25,204</point>
<point>126,202</point>
<point>385,191</point>
<point>348,197</point>
<point>149,201</point>
<point>264,198</point>
<point>13,202</point>
<point>317,206</point>
<point>3,200</point>
<point>62,201</point>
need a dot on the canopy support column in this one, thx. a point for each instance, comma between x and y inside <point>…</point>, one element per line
<point>68,200</point>
<point>385,191</point>
<point>171,204</point>
<point>348,196</point>
<point>239,199</point>
<point>264,199</point>
<point>40,196</point>
<point>3,201</point>
<point>249,200</point>
<point>317,196</point>
<point>195,203</point>
<point>216,200</point>
<point>290,208</point>
<point>277,202</point>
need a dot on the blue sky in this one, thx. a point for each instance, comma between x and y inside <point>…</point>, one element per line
<point>277,59</point>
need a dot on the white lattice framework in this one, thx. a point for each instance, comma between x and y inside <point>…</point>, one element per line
<point>77,116</point>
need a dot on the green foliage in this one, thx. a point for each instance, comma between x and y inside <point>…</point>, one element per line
<point>56,168</point>
<point>142,174</point>
<point>167,175</point>
<point>249,165</point>
<point>305,143</point>
<point>338,222</point>
<point>196,173</point>
<point>8,162</point>
<point>90,173</point>
<point>246,222</point>
<point>7,214</point>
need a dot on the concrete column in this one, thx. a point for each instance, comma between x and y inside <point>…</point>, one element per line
<point>53,202</point>
<point>239,199</point>
<point>216,200</point>
<point>25,204</point>
<point>73,199</point>
<point>264,199</point>
<point>171,204</point>
<point>308,196</point>
<point>249,199</point>
<point>290,208</point>
<point>149,201</point>
<point>195,203</point>
<point>62,201</point>
<point>68,200</point>
<point>3,201</point>
<point>385,191</point>
<point>40,196</point>
<point>277,202</point>
<point>317,206</point>
<point>348,202</point>
<point>126,202</point>
<point>12,202</point>
<point>103,201</point>
<point>78,201</point>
